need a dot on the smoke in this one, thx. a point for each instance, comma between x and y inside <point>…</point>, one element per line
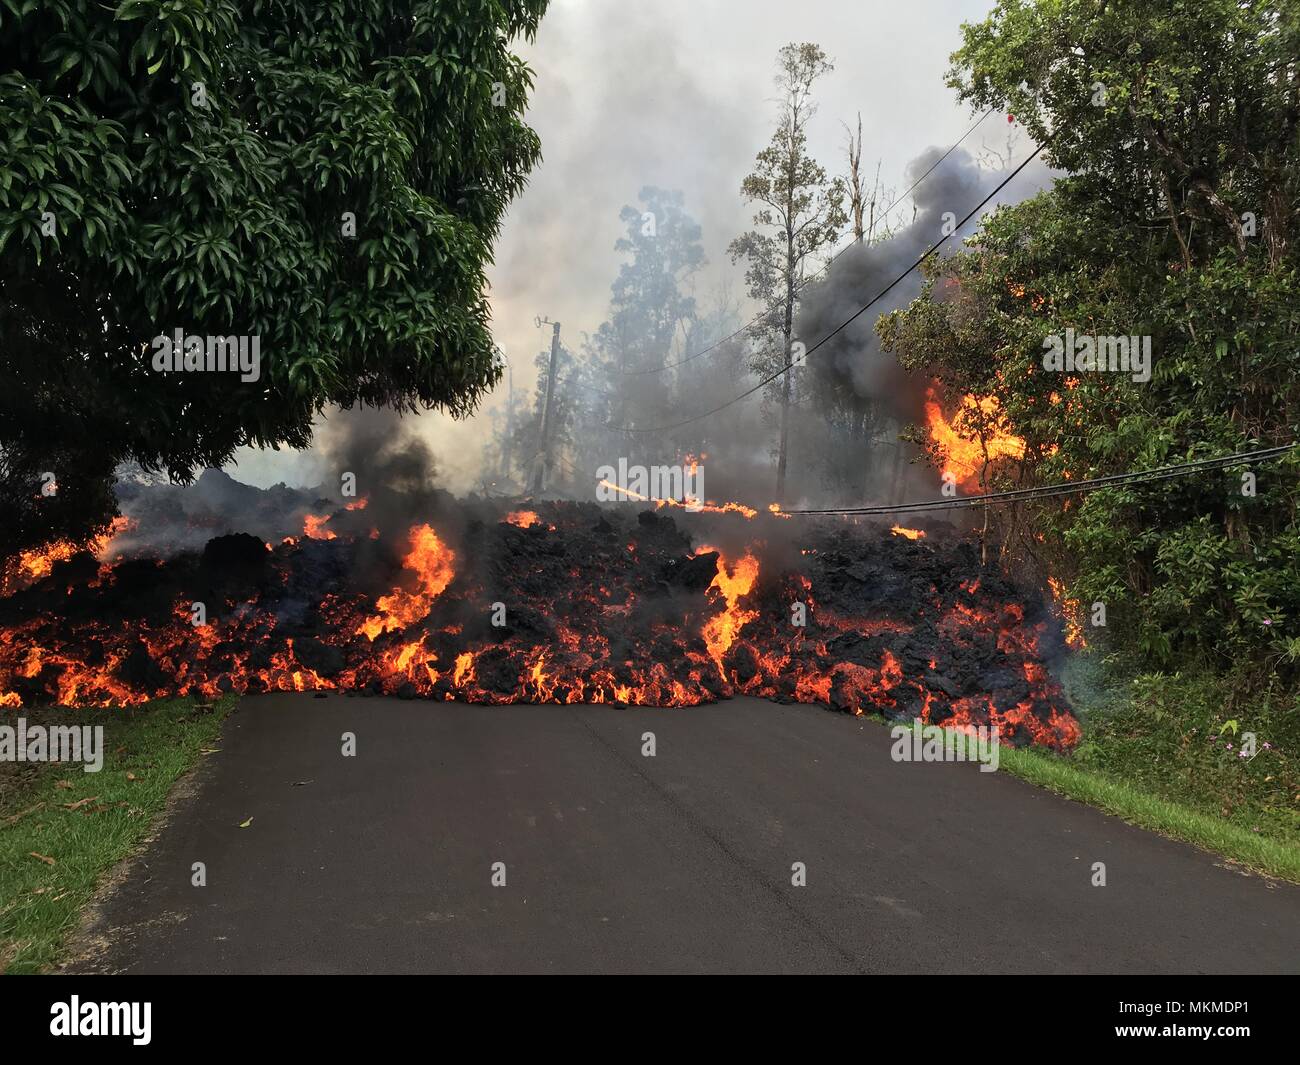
<point>394,457</point>
<point>852,359</point>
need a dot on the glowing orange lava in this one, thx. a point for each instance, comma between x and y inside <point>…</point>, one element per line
<point>732,583</point>
<point>431,561</point>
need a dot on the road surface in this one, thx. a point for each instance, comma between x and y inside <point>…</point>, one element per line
<point>680,862</point>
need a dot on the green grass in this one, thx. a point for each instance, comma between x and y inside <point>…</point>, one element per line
<point>1162,751</point>
<point>1274,856</point>
<point>146,749</point>
<point>1178,735</point>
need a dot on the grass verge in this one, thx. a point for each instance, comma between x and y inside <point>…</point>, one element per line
<point>1276,857</point>
<point>62,829</point>
<point>1196,756</point>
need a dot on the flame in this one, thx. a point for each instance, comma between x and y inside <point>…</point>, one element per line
<point>731,583</point>
<point>1035,300</point>
<point>431,561</point>
<point>911,534</point>
<point>525,519</point>
<point>958,439</point>
<point>30,566</point>
<point>598,646</point>
<point>313,526</point>
<point>706,508</point>
<point>464,669</point>
<point>1068,611</point>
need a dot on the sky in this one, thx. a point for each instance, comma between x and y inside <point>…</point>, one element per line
<point>679,94</point>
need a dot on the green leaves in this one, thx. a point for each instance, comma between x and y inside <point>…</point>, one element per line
<point>1143,237</point>
<point>226,218</point>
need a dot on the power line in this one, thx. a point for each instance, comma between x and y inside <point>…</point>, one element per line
<point>820,270</point>
<point>848,321</point>
<point>1162,473</point>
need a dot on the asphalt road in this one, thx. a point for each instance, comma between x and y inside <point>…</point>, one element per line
<point>681,862</point>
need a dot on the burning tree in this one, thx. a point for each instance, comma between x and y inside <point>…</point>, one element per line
<point>1178,135</point>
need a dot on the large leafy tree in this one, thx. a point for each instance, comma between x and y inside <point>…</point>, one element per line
<point>1177,126</point>
<point>325,175</point>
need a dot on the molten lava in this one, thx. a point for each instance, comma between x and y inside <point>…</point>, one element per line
<point>431,562</point>
<point>601,606</point>
<point>731,583</point>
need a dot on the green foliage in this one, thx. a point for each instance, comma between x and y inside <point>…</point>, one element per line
<point>198,159</point>
<point>1144,236</point>
<point>86,822</point>
<point>1179,735</point>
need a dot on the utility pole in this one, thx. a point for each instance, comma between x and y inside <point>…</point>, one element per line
<point>506,445</point>
<point>543,469</point>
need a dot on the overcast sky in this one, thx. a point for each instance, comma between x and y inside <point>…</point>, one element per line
<point>680,94</point>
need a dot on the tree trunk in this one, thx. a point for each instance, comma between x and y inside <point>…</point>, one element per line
<point>787,332</point>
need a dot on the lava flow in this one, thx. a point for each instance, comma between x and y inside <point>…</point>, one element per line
<point>562,603</point>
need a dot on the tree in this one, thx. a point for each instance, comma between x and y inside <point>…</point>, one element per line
<point>1178,134</point>
<point>649,311</point>
<point>800,214</point>
<point>326,177</point>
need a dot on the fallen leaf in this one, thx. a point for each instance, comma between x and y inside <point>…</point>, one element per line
<point>64,784</point>
<point>15,818</point>
<point>42,857</point>
<point>246,823</point>
<point>130,776</point>
<point>80,803</point>
<point>300,783</point>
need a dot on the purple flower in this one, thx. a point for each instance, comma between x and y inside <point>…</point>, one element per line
<point>1268,746</point>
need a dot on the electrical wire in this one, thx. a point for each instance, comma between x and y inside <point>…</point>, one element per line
<point>1161,473</point>
<point>820,270</point>
<point>848,321</point>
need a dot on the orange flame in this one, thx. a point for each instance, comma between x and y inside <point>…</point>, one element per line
<point>313,525</point>
<point>30,566</point>
<point>1068,610</point>
<point>431,561</point>
<point>732,583</point>
<point>958,439</point>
